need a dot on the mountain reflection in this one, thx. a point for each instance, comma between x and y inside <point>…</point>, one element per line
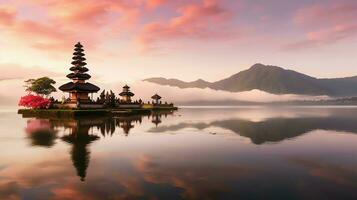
<point>272,130</point>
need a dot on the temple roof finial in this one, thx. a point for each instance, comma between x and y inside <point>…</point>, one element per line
<point>78,45</point>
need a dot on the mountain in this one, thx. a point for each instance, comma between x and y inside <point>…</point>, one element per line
<point>178,83</point>
<point>272,79</point>
<point>346,87</point>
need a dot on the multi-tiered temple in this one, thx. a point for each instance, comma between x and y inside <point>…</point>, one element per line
<point>79,88</point>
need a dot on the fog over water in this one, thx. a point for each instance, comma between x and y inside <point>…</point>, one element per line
<point>12,90</point>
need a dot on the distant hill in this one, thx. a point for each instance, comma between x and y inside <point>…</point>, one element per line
<point>272,79</point>
<point>178,83</point>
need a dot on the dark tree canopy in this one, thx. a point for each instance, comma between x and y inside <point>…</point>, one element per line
<point>41,86</point>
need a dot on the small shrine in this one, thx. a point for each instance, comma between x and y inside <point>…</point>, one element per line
<point>156,98</point>
<point>126,94</point>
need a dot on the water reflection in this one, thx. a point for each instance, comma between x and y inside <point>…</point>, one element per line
<point>174,156</point>
<point>41,132</point>
<point>271,130</point>
<point>80,133</point>
<point>80,153</point>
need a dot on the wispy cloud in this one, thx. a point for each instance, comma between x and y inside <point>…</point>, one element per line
<point>206,20</point>
<point>67,22</point>
<point>7,15</point>
<point>325,23</point>
<point>15,71</point>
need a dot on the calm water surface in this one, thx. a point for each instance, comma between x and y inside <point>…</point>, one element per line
<point>194,153</point>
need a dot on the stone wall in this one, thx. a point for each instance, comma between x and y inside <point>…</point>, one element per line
<point>74,105</point>
<point>129,105</point>
<point>93,106</point>
<point>65,105</point>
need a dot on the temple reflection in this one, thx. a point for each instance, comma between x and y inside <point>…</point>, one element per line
<point>80,153</point>
<point>79,137</point>
<point>156,119</point>
<point>109,125</point>
<point>82,131</point>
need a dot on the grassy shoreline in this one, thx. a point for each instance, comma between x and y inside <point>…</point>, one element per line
<point>65,113</point>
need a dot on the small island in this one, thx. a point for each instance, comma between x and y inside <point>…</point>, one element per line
<point>80,101</point>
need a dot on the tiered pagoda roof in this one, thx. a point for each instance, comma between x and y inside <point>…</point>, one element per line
<point>79,87</point>
<point>156,97</point>
<point>126,91</point>
<point>79,74</point>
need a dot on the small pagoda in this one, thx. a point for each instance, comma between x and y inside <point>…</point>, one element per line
<point>79,88</point>
<point>126,94</point>
<point>156,98</point>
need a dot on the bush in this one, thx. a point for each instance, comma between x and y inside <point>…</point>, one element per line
<point>34,101</point>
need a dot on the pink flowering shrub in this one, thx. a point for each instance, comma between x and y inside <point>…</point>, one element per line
<point>34,101</point>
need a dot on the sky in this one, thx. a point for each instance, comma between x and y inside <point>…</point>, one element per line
<point>129,40</point>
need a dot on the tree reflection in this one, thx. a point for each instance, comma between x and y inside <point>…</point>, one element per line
<point>40,132</point>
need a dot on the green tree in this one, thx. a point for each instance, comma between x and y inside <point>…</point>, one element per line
<point>41,86</point>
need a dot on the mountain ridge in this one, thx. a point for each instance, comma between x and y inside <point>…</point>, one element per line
<point>271,79</point>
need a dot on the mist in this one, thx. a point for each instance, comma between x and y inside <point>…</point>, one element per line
<point>12,90</point>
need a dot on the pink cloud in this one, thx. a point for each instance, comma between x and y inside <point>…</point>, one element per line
<point>326,23</point>
<point>83,14</point>
<point>39,35</point>
<point>14,71</point>
<point>155,3</point>
<point>7,15</point>
<point>90,13</point>
<point>327,14</point>
<point>67,22</point>
<point>195,21</point>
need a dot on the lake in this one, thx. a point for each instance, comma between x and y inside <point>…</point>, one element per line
<point>193,153</point>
